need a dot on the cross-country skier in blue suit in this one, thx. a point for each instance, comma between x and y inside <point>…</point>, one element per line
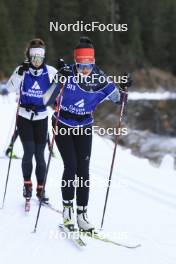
<point>30,81</point>
<point>80,98</point>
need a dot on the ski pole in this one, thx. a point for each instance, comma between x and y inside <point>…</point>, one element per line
<point>26,65</point>
<point>59,101</point>
<point>10,159</point>
<point>119,123</point>
<point>9,134</point>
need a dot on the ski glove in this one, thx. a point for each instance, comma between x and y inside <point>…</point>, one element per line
<point>60,64</point>
<point>63,69</point>
<point>128,83</point>
<point>23,67</point>
<point>123,88</point>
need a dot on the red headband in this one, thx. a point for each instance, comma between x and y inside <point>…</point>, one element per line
<point>84,55</point>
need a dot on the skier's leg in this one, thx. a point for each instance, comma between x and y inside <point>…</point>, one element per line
<point>26,135</point>
<point>40,138</point>
<point>66,148</point>
<point>40,171</point>
<point>40,163</point>
<point>27,166</point>
<point>83,144</point>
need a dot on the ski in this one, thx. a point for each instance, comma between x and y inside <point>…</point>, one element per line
<point>74,236</point>
<point>51,207</point>
<point>102,238</point>
<point>96,235</point>
<point>27,205</point>
<point>7,157</point>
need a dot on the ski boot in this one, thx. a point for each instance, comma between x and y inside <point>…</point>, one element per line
<point>82,220</point>
<point>27,194</point>
<point>8,153</point>
<point>27,189</point>
<point>41,194</point>
<point>68,215</point>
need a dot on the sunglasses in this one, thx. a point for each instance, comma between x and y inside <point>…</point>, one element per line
<point>37,59</point>
<point>82,66</point>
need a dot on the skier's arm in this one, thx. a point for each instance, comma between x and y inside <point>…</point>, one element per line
<point>50,96</point>
<point>54,90</point>
<point>115,96</point>
<point>14,83</point>
<point>51,72</point>
<point>121,93</point>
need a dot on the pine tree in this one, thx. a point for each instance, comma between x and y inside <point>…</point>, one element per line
<point>171,29</point>
<point>65,12</point>
<point>6,40</point>
<point>22,18</point>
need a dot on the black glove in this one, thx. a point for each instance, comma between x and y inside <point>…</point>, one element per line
<point>122,88</point>
<point>128,83</point>
<point>23,67</point>
<point>63,69</point>
<point>60,64</point>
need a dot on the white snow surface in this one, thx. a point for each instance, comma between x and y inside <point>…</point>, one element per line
<point>152,95</point>
<point>141,207</point>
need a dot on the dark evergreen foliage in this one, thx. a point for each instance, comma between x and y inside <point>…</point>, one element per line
<point>149,41</point>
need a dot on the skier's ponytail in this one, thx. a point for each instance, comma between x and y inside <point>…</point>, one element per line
<point>84,42</point>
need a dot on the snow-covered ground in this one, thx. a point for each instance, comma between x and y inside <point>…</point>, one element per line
<point>141,207</point>
<point>152,95</point>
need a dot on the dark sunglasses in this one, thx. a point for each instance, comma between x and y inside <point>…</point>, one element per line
<point>81,66</point>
